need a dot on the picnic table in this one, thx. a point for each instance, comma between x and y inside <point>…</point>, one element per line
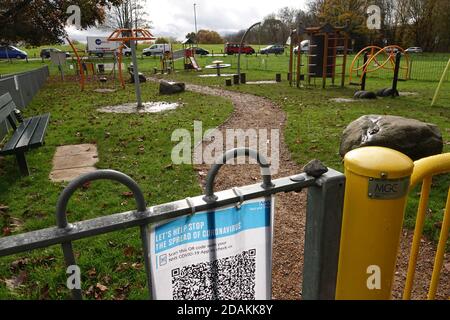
<point>218,64</point>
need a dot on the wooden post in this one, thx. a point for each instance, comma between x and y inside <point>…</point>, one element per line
<point>344,61</point>
<point>325,60</point>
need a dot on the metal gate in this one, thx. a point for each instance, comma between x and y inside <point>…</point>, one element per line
<point>323,218</point>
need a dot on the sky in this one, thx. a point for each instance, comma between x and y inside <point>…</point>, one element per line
<point>175,18</point>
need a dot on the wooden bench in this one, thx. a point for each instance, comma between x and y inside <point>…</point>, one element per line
<point>27,134</point>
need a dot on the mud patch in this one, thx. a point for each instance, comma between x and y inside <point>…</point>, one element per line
<point>148,107</point>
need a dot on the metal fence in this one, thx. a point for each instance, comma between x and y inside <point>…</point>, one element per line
<point>22,87</point>
<point>323,219</point>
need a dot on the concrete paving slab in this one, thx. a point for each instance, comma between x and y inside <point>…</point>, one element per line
<point>72,161</point>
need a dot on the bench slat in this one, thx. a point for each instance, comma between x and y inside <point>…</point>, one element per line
<point>11,144</point>
<point>38,138</point>
<point>6,109</point>
<point>22,144</point>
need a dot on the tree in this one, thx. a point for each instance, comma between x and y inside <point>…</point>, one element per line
<point>208,37</point>
<point>127,14</point>
<point>37,22</point>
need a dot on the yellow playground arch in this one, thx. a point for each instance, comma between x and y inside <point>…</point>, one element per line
<point>377,58</point>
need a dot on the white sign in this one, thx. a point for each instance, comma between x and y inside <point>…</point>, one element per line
<point>58,58</point>
<point>221,254</point>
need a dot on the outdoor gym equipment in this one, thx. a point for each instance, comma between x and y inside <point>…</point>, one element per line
<point>436,93</point>
<point>386,92</point>
<point>241,45</point>
<point>374,63</point>
<point>325,42</point>
<point>133,36</point>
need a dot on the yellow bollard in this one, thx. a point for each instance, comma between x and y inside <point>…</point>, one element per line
<point>377,181</point>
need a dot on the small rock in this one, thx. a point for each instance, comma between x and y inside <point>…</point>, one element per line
<point>315,168</point>
<point>166,87</point>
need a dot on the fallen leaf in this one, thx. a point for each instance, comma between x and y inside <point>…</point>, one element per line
<point>128,251</point>
<point>19,264</point>
<point>101,287</point>
<point>127,194</point>
<point>44,295</point>
<point>6,231</point>
<point>447,266</point>
<point>86,185</point>
<point>16,281</point>
<point>136,266</point>
<point>92,273</point>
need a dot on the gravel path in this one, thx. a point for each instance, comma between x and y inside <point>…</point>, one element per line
<point>256,112</point>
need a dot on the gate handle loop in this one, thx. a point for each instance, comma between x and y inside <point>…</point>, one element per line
<point>232,154</point>
<point>64,197</point>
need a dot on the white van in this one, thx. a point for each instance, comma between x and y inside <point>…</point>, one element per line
<point>157,49</point>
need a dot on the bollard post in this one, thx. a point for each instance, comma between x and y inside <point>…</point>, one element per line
<point>377,182</point>
<point>243,78</point>
<point>236,79</point>
<point>228,82</point>
<point>278,77</point>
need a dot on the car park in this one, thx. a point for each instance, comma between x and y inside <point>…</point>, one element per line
<point>275,49</point>
<point>11,52</point>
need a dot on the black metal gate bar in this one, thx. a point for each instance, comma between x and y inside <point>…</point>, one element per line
<point>324,211</point>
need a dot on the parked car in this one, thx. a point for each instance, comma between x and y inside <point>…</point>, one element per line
<point>45,53</point>
<point>275,48</point>
<point>201,51</point>
<point>157,49</point>
<point>11,52</point>
<point>233,48</point>
<point>126,51</point>
<point>414,50</point>
<point>304,47</point>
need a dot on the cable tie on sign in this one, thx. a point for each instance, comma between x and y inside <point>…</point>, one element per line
<point>238,192</point>
<point>191,205</point>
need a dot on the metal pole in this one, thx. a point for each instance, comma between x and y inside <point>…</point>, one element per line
<point>240,48</point>
<point>195,21</point>
<point>136,74</point>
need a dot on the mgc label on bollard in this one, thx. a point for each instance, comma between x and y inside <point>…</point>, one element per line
<point>388,189</point>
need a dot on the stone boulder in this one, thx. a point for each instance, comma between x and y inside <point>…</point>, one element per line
<point>166,87</point>
<point>414,138</point>
<point>364,95</point>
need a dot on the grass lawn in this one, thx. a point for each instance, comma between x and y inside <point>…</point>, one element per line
<point>140,146</point>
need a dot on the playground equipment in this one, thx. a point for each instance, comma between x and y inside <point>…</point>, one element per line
<point>372,62</point>
<point>218,64</point>
<point>377,181</point>
<point>190,63</point>
<point>385,92</point>
<point>90,71</point>
<point>167,64</point>
<point>133,36</point>
<point>326,42</point>
<point>241,45</point>
<point>436,93</point>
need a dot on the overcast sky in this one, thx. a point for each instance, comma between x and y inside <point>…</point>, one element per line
<point>175,18</point>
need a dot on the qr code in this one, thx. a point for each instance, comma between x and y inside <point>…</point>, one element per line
<point>231,278</point>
